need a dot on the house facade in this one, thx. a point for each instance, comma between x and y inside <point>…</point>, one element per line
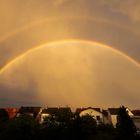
<point>48,112</point>
<point>113,112</point>
<point>95,113</point>
<point>106,119</point>
<point>136,119</point>
<point>61,112</point>
<point>30,111</point>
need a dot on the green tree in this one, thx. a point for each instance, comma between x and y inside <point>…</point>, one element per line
<point>125,126</point>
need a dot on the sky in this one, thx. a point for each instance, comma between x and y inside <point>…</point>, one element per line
<point>25,25</point>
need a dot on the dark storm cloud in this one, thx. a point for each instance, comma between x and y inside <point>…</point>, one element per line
<point>12,95</point>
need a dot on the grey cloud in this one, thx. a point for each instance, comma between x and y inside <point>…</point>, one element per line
<point>74,74</point>
<point>111,22</point>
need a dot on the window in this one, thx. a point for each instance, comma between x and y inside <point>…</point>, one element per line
<point>98,118</point>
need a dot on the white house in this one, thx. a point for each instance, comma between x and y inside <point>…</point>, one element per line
<point>113,112</point>
<point>106,119</point>
<point>136,119</point>
<point>93,112</point>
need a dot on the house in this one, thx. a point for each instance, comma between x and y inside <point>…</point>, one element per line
<point>30,111</point>
<point>62,112</point>
<point>136,119</point>
<point>136,112</point>
<point>48,112</point>
<point>106,119</point>
<point>113,112</point>
<point>12,112</point>
<point>96,113</point>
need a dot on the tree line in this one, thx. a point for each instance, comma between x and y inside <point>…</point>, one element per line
<point>66,126</point>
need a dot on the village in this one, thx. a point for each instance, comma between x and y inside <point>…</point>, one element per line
<point>101,116</point>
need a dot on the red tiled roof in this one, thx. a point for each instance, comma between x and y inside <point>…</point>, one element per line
<point>11,112</point>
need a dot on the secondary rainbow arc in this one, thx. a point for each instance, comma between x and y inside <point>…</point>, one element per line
<point>32,41</point>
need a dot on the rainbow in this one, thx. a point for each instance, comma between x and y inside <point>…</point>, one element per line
<point>118,48</point>
<point>54,19</point>
<point>10,64</point>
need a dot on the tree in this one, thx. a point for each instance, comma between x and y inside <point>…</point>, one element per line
<point>84,127</point>
<point>3,115</point>
<point>23,128</point>
<point>125,126</point>
<point>105,132</point>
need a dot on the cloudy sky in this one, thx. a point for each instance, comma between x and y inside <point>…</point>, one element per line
<point>46,57</point>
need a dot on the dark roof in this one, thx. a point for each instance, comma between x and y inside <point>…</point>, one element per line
<point>97,109</point>
<point>25,110</point>
<point>52,110</point>
<point>136,112</point>
<point>105,113</point>
<point>55,110</point>
<point>113,111</point>
<point>65,110</point>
